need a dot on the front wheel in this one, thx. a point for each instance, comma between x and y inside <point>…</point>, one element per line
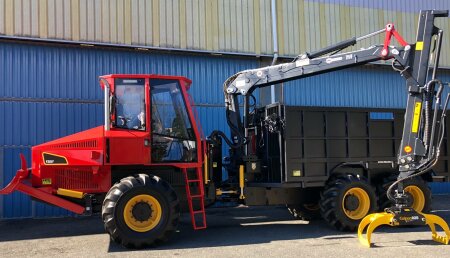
<point>140,211</point>
<point>346,200</point>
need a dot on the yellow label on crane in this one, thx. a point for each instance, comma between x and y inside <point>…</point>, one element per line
<point>419,45</point>
<point>416,118</point>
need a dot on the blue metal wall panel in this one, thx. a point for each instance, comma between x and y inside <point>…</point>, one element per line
<point>61,73</point>
<point>33,71</point>
<point>42,210</point>
<point>397,5</point>
<point>440,188</point>
<point>369,86</point>
<point>213,118</point>
<point>32,123</point>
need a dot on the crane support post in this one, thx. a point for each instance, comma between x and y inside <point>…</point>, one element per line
<point>418,151</point>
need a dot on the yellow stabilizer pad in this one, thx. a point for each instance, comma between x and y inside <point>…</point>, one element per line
<point>372,221</point>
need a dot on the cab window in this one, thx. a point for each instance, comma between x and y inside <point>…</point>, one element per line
<point>130,104</point>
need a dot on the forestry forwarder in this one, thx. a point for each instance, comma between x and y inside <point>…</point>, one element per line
<point>150,134</point>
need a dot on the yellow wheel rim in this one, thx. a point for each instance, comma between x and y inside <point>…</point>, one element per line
<point>150,220</point>
<point>363,205</point>
<point>418,197</point>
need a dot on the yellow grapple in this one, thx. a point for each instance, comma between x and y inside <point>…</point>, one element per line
<point>400,217</point>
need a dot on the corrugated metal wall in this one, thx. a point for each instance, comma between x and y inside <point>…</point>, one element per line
<point>51,91</point>
<point>242,26</point>
<point>368,86</point>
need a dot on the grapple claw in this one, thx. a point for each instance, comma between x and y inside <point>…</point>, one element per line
<point>431,221</point>
<point>371,222</point>
<point>403,216</point>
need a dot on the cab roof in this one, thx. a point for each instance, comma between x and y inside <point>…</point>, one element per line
<point>187,81</point>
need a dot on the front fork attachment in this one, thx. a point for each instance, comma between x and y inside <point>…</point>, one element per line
<point>400,216</point>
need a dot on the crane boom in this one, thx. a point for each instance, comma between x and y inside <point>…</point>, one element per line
<point>247,81</point>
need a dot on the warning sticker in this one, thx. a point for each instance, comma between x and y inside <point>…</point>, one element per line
<point>416,118</point>
<point>46,181</point>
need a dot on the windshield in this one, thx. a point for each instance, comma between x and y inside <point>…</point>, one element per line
<point>173,137</point>
<point>130,104</point>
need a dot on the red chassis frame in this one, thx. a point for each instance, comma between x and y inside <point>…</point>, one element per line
<point>92,157</point>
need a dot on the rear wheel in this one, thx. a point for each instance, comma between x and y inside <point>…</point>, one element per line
<point>140,211</point>
<point>346,200</point>
<point>416,188</point>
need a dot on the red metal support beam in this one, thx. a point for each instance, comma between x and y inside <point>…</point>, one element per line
<point>17,183</point>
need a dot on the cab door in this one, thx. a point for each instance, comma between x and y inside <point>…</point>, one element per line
<point>128,139</point>
<point>172,134</point>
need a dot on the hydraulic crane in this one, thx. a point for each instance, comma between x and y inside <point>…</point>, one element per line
<point>422,133</point>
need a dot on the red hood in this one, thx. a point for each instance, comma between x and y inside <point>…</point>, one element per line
<point>86,139</point>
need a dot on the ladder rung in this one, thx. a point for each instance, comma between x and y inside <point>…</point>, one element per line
<point>196,196</point>
<point>202,227</point>
<point>199,211</point>
<point>193,180</point>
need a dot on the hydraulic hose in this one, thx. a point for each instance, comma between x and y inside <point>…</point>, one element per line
<point>240,138</point>
<point>217,133</point>
<point>429,88</point>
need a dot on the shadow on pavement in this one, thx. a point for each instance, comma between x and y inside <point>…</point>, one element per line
<point>243,226</point>
<point>27,229</point>
<point>226,227</point>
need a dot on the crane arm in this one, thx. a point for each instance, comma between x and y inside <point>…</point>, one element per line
<point>306,65</point>
<point>247,81</point>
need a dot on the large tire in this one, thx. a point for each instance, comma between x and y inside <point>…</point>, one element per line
<point>416,187</point>
<point>306,211</point>
<point>140,211</point>
<point>346,200</point>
